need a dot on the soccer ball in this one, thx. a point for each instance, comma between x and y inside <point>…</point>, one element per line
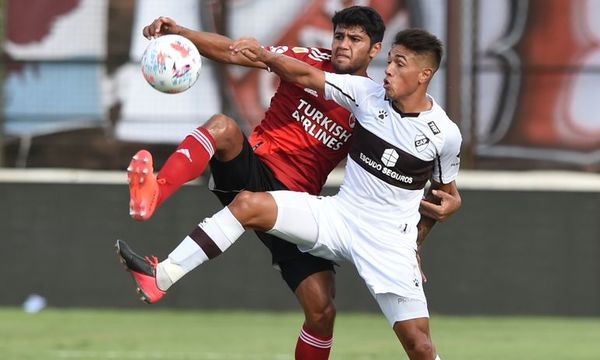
<point>171,63</point>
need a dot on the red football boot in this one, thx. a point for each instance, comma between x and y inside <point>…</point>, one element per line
<point>143,186</point>
<point>143,271</point>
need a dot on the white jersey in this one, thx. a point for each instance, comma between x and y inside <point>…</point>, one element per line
<point>392,155</point>
<point>372,221</point>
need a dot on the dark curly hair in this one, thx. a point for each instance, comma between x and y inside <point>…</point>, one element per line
<point>363,16</point>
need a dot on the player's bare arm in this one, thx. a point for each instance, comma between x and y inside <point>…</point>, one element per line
<point>210,45</point>
<point>289,69</point>
<point>440,205</point>
<point>440,202</point>
<point>426,223</point>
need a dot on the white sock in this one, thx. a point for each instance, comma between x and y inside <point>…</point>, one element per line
<point>213,236</point>
<point>437,358</point>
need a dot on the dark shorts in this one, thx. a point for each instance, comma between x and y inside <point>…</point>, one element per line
<point>248,172</point>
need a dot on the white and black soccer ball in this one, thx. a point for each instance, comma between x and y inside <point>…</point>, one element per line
<point>171,63</point>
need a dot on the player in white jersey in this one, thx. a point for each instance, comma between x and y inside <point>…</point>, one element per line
<point>403,139</point>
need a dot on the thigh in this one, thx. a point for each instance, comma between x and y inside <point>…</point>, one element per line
<point>316,292</point>
<point>296,220</point>
<point>386,263</point>
<point>303,272</point>
<point>314,223</point>
<point>400,309</point>
<point>248,172</point>
<point>244,172</point>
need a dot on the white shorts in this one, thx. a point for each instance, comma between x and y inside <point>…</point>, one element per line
<point>385,259</point>
<point>399,308</point>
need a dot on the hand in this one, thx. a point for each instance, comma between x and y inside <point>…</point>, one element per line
<point>161,26</point>
<point>423,277</point>
<point>449,203</point>
<point>249,48</point>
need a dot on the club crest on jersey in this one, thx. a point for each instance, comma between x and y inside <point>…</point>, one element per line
<point>421,142</point>
<point>434,129</point>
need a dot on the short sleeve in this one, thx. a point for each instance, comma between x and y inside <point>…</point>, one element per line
<point>347,90</point>
<point>446,165</point>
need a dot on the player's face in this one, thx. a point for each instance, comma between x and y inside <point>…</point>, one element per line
<point>351,50</point>
<point>404,73</point>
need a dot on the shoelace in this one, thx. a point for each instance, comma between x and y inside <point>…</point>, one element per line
<point>153,261</point>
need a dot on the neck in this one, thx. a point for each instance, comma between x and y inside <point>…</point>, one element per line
<point>413,104</point>
<point>362,72</point>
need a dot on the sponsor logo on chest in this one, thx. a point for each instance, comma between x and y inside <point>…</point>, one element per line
<point>318,125</point>
<point>388,160</point>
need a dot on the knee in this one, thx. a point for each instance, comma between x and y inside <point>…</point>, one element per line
<point>425,348</point>
<point>421,347</point>
<point>224,130</point>
<point>245,200</point>
<point>322,316</point>
<point>220,121</point>
<point>254,210</point>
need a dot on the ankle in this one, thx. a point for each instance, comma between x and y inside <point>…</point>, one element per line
<point>168,273</point>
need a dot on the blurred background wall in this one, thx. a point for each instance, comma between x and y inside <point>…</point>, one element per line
<point>520,78</point>
<point>520,248</point>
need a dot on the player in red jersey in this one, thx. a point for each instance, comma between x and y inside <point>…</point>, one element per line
<point>300,140</point>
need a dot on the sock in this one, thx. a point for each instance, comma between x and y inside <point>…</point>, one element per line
<point>312,347</point>
<point>213,236</point>
<point>437,358</point>
<point>186,163</point>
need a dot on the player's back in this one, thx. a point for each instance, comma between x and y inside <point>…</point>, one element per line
<point>303,136</point>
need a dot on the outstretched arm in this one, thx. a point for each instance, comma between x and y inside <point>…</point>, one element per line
<point>210,45</point>
<point>288,69</point>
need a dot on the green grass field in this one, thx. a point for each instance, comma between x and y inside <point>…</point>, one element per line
<point>179,335</point>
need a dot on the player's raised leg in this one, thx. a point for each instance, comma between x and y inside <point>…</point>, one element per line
<point>209,239</point>
<point>219,136</point>
<point>214,235</point>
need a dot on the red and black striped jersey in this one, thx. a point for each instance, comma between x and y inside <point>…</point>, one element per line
<point>303,136</point>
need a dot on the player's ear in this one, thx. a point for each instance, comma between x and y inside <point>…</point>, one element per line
<point>425,75</point>
<point>375,49</point>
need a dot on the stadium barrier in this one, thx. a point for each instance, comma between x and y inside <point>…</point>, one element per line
<point>523,243</point>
